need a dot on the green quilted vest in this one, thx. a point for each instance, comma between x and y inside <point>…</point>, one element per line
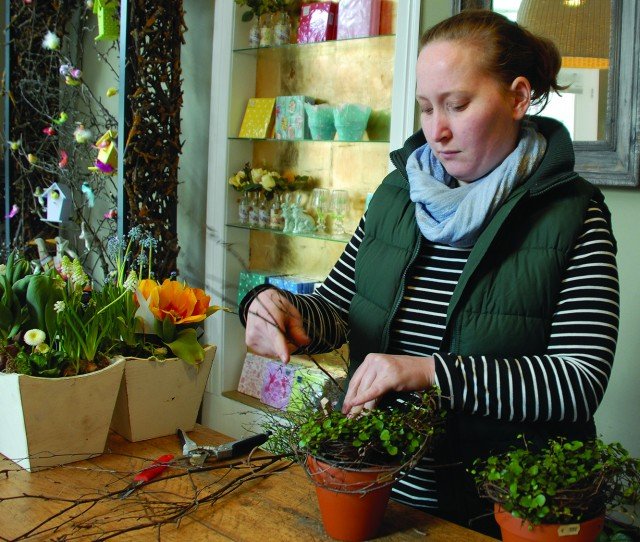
<point>512,278</point>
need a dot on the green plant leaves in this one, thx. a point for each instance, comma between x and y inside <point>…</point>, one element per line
<point>561,483</point>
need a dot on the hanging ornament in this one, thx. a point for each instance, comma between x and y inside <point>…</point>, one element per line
<point>51,41</point>
<point>62,118</point>
<point>15,145</point>
<point>13,212</point>
<point>88,192</point>
<point>38,193</point>
<point>49,130</point>
<point>81,134</point>
<point>64,159</point>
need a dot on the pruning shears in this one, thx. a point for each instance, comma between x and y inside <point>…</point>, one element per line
<point>148,474</point>
<point>197,455</point>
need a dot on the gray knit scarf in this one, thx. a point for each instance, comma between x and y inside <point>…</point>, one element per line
<point>456,215</point>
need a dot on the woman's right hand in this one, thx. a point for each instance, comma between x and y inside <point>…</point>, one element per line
<point>274,326</point>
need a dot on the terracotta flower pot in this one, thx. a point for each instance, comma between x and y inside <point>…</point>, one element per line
<point>514,530</point>
<point>352,502</point>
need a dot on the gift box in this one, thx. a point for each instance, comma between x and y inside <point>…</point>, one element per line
<point>318,22</point>
<point>294,284</point>
<point>291,117</point>
<point>257,122</point>
<point>250,279</point>
<point>358,19</point>
<point>277,384</point>
<point>252,377</point>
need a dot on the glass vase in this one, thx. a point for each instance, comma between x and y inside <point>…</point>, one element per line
<point>266,30</point>
<point>243,209</point>
<point>253,211</point>
<point>281,28</point>
<point>254,33</point>
<point>264,216</point>
<point>276,220</point>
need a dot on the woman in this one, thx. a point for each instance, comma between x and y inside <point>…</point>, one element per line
<point>484,265</point>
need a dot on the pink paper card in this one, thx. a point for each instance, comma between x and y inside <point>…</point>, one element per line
<point>276,385</point>
<point>252,376</point>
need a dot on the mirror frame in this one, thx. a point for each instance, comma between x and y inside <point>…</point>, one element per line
<point>615,161</point>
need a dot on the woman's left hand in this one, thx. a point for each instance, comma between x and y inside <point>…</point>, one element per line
<point>382,373</point>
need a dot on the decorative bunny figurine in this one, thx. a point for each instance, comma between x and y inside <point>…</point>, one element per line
<point>303,223</point>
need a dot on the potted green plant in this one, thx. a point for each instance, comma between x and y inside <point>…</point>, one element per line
<point>353,461</point>
<point>560,492</point>
<point>57,385</point>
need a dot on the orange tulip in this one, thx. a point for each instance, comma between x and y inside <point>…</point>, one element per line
<point>180,303</point>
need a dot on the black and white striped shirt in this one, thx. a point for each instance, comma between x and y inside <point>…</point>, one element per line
<point>565,383</point>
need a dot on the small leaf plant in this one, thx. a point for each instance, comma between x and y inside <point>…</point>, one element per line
<point>564,482</point>
<point>391,434</point>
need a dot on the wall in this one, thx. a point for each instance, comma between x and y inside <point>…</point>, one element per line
<point>196,73</point>
<point>617,417</point>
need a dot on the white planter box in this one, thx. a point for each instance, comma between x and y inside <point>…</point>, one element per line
<point>51,421</point>
<point>158,397</point>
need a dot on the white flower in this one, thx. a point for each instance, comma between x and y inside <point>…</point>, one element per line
<point>51,41</point>
<point>42,348</point>
<point>3,269</point>
<point>34,337</point>
<point>59,306</point>
<point>131,283</point>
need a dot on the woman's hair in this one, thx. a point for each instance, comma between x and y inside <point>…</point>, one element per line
<point>509,50</point>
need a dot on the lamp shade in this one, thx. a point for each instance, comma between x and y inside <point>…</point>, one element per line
<point>580,28</point>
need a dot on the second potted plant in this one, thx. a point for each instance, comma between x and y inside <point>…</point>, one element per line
<point>561,492</point>
<point>353,461</point>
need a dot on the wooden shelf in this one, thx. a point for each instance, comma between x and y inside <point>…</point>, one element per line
<point>344,239</point>
<point>330,43</point>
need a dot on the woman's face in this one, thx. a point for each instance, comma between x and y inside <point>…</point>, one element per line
<point>470,120</point>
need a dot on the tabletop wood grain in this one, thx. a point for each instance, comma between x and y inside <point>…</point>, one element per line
<point>80,501</point>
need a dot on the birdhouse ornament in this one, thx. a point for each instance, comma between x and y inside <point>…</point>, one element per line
<point>57,202</point>
<point>107,161</point>
<point>108,23</point>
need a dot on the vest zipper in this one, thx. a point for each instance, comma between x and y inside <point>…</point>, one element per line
<point>385,334</point>
<point>396,160</point>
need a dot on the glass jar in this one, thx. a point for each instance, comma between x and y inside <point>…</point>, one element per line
<point>253,211</point>
<point>281,28</point>
<point>243,209</point>
<point>254,33</point>
<point>266,30</point>
<point>264,216</point>
<point>276,220</point>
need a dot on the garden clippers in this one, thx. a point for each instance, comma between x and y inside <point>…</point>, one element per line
<point>147,474</point>
<point>197,455</point>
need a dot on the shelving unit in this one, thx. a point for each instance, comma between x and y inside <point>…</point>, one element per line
<point>377,71</point>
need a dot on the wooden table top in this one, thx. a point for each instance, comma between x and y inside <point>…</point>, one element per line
<point>80,501</point>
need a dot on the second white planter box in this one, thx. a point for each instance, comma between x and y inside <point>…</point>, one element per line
<point>158,397</point>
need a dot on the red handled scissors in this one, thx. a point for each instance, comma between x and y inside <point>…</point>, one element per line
<point>148,474</point>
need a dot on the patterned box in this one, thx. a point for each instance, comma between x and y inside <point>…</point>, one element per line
<point>318,22</point>
<point>277,384</point>
<point>258,118</point>
<point>358,18</point>
<point>291,118</point>
<point>250,279</point>
<point>252,377</point>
